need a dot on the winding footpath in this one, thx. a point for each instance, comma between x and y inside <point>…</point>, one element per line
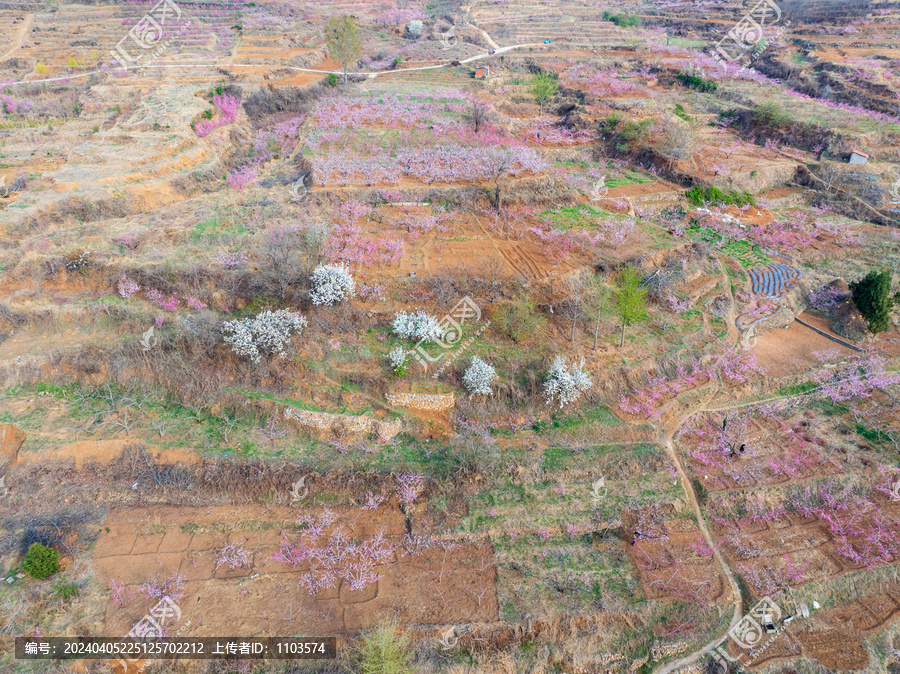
<point>372,75</point>
<point>668,441</point>
<point>19,38</point>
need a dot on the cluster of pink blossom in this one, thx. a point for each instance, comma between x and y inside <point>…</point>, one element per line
<point>543,532</point>
<point>272,430</point>
<point>786,233</point>
<point>615,230</point>
<point>371,291</point>
<point>560,244</point>
<point>603,82</point>
<point>450,164</point>
<point>271,16</point>
<point>348,243</point>
<point>862,533</point>
<point>574,530</point>
<point>234,555</point>
<point>333,140</point>
<point>228,109</point>
<point>389,110</point>
<point>700,546</point>
<point>397,16</point>
<point>439,164</point>
<point>118,594</point>
<point>859,528</point>
<point>826,299</point>
<point>548,130</point>
<point>352,210</point>
<point>488,136</point>
<point>845,107</point>
<point>373,501</point>
<point>507,222</point>
<point>735,363</point>
<point>127,287</point>
<point>858,377</point>
<point>229,260</point>
<point>334,556</point>
<point>156,588</point>
<point>409,487</point>
<point>154,296</point>
<point>240,177</point>
<point>704,65</point>
<point>719,448</point>
<point>279,141</point>
<point>676,304</point>
<point>440,220</point>
<point>12,106</point>
<point>769,577</point>
<point>388,61</point>
<point>195,304</point>
<point>347,168</point>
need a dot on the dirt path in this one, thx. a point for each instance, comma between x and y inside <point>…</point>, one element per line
<point>720,559</point>
<point>490,40</point>
<point>19,38</point>
<point>183,66</point>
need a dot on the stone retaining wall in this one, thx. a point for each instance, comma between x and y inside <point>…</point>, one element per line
<point>420,401</point>
<point>326,422</point>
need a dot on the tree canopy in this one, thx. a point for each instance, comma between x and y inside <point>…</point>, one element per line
<point>343,40</point>
<point>544,87</point>
<point>872,296</point>
<point>631,302</point>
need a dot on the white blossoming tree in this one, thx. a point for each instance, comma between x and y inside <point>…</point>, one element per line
<point>565,385</point>
<point>331,283</point>
<point>479,377</point>
<point>266,333</point>
<point>418,325</point>
<point>398,358</point>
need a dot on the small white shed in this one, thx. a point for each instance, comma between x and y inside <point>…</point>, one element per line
<point>857,157</point>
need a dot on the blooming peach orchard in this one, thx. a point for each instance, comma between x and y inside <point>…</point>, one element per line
<point>480,337</point>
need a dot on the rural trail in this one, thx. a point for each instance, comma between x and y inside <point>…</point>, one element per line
<point>668,437</point>
<point>182,66</point>
<point>19,38</point>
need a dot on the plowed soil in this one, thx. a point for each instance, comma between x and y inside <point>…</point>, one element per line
<point>263,598</point>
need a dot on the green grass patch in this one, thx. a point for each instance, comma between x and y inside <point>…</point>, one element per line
<point>747,254</point>
<point>577,216</point>
<point>296,404</point>
<point>698,83</point>
<point>701,196</point>
<point>600,414</point>
<point>873,435</point>
<point>622,20</point>
<point>796,389</point>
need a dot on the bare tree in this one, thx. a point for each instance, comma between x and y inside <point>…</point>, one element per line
<point>575,290</point>
<point>489,273</point>
<point>478,113</point>
<point>600,296</point>
<point>678,137</point>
